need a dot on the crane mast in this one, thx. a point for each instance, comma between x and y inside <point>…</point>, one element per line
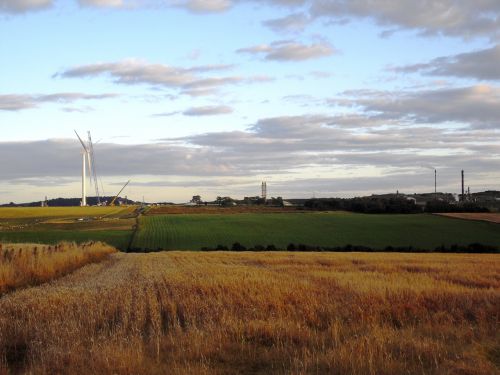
<point>116,196</point>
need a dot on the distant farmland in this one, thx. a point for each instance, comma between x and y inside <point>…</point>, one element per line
<point>192,232</point>
<point>61,212</point>
<point>51,225</point>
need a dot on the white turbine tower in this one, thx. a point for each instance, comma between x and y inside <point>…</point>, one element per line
<point>85,160</point>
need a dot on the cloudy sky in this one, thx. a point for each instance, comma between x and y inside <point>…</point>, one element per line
<point>317,97</point>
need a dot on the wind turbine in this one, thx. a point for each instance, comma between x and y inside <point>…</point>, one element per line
<point>93,169</point>
<point>85,160</point>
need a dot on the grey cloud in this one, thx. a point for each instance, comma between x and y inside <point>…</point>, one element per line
<point>290,51</point>
<point>131,72</point>
<point>21,6</point>
<point>292,23</point>
<point>194,6</point>
<point>280,146</point>
<point>321,137</point>
<point>482,65</point>
<point>477,106</point>
<point>205,6</point>
<point>13,102</point>
<point>166,114</point>
<point>208,111</point>
<point>447,17</point>
<point>62,158</point>
<point>85,109</point>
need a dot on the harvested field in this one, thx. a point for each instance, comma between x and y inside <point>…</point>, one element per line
<point>162,210</point>
<point>490,217</point>
<point>25,264</point>
<point>62,212</point>
<point>254,313</point>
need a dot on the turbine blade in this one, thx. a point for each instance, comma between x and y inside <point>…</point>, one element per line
<point>83,144</point>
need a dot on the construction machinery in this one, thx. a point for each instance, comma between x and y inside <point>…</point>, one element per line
<point>112,203</point>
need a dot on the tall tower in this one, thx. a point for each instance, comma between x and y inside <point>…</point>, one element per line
<point>264,190</point>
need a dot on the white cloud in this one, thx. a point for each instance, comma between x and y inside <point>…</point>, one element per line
<point>102,3</point>
<point>192,81</point>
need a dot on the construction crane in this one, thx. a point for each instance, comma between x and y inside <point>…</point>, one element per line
<point>116,196</point>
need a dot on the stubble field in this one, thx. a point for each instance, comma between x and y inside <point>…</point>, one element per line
<point>259,313</point>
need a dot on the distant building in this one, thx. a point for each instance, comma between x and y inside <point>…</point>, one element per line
<point>196,199</point>
<point>44,203</point>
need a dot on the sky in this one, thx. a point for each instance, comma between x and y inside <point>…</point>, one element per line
<point>330,98</point>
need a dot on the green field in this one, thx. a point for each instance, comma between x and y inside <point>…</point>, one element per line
<point>114,225</point>
<point>318,229</point>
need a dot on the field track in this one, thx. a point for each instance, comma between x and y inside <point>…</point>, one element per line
<point>489,217</point>
<point>273,313</point>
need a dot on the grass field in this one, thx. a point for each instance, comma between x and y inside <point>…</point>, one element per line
<point>318,229</point>
<point>260,313</point>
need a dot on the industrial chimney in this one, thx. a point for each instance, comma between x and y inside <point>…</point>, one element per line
<point>462,197</point>
<point>435,184</point>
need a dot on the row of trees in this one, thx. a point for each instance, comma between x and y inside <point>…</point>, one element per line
<point>394,205</point>
<point>471,248</point>
<point>372,205</point>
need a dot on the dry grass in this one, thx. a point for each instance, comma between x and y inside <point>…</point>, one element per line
<point>28,264</point>
<point>245,313</point>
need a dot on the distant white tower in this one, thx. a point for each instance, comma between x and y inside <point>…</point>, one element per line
<point>264,190</point>
<point>85,160</point>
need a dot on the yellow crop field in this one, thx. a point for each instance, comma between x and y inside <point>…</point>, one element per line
<point>67,212</point>
<point>25,264</point>
<point>259,313</point>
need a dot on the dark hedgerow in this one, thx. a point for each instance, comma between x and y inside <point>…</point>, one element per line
<point>238,247</point>
<point>476,248</point>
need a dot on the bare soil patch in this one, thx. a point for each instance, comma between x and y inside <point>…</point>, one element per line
<point>490,217</point>
<point>162,210</point>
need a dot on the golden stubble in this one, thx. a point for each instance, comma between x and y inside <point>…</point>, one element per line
<point>248,313</point>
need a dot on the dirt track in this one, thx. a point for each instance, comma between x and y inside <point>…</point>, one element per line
<point>490,217</point>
